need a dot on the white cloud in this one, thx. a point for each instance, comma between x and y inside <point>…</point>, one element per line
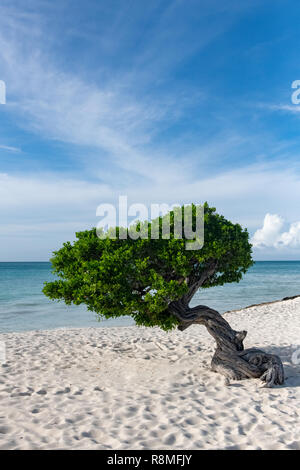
<point>109,123</point>
<point>285,107</point>
<point>9,148</point>
<point>107,117</point>
<point>292,237</point>
<point>271,234</point>
<point>19,193</point>
<point>50,208</point>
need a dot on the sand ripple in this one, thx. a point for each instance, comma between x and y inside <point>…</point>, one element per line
<point>135,388</point>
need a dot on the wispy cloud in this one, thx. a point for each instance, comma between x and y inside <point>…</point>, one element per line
<point>109,115</point>
<point>64,107</point>
<point>290,108</point>
<point>10,149</point>
<point>117,116</point>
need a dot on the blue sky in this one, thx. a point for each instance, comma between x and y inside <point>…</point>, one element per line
<point>163,101</point>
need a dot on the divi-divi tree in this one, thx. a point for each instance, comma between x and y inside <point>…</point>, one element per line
<point>153,280</point>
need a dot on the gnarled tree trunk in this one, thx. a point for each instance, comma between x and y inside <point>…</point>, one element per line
<point>230,358</point>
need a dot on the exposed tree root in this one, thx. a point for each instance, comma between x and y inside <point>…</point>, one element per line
<point>230,358</point>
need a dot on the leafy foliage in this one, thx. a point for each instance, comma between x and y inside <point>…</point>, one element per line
<point>140,278</point>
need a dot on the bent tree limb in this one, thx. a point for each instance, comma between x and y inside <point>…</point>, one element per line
<point>230,358</point>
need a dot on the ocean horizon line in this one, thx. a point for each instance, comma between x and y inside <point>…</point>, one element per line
<point>255,261</point>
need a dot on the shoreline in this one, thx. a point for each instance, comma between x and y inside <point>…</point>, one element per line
<point>130,326</point>
<point>263,303</point>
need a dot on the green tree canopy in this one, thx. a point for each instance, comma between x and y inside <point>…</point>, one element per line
<point>141,278</point>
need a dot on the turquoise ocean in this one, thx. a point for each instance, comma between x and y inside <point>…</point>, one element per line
<point>24,307</point>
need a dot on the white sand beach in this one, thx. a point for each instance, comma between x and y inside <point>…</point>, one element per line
<point>142,388</point>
